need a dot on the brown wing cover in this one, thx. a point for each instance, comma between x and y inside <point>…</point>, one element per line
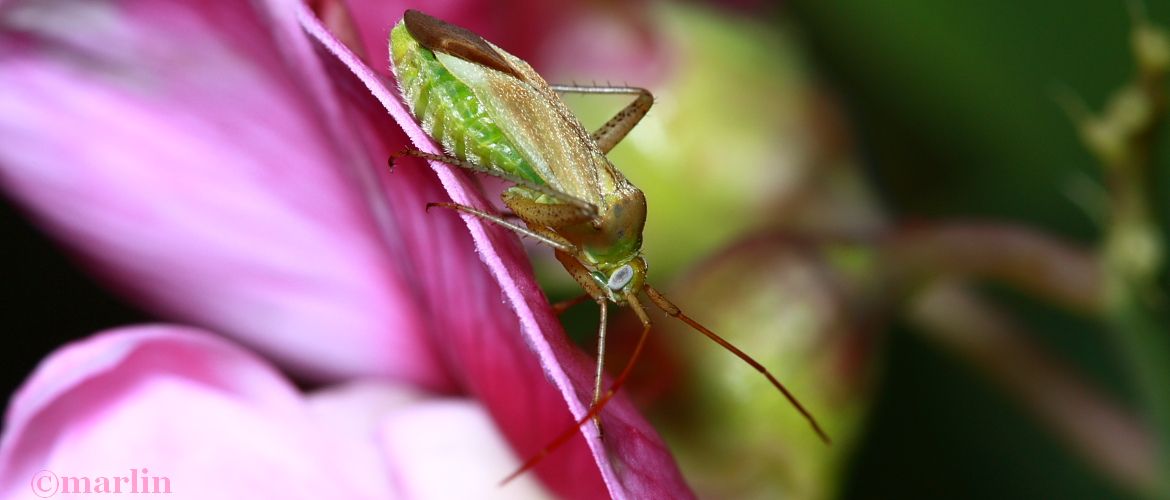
<point>440,36</point>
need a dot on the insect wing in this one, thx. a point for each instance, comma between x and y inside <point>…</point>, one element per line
<point>533,117</point>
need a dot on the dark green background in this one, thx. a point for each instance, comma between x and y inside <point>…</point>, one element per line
<point>955,106</point>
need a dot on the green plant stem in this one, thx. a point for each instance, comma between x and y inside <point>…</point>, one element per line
<point>1123,138</point>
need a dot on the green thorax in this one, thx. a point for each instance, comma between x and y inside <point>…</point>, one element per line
<point>449,111</point>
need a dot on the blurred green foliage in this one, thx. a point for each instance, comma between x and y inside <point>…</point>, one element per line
<point>955,103</point>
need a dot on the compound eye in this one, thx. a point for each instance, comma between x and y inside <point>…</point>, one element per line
<point>620,278</point>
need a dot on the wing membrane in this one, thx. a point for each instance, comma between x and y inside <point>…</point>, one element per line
<point>545,132</point>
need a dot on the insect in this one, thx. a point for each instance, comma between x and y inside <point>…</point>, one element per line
<point>494,115</point>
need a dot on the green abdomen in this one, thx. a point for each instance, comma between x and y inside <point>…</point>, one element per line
<point>449,112</point>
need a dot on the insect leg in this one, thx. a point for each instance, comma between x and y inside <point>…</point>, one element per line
<point>563,246</point>
<point>564,305</point>
<point>600,360</point>
<point>581,205</point>
<point>545,214</point>
<point>614,130</point>
<point>667,307</point>
<point>596,408</point>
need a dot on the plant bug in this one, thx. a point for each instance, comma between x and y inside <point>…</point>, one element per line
<point>493,114</point>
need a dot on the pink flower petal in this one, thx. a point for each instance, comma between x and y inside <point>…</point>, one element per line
<point>496,364</point>
<point>182,405</point>
<point>434,448</point>
<point>451,449</point>
<point>186,151</point>
<point>212,421</point>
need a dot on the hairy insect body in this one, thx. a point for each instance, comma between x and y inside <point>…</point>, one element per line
<point>510,123</point>
<point>449,111</point>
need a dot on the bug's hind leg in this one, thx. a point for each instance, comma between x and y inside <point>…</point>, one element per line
<point>614,130</point>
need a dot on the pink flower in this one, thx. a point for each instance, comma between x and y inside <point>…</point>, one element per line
<point>174,410</point>
<point>223,164</point>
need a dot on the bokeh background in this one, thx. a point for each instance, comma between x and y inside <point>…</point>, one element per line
<point>780,125</point>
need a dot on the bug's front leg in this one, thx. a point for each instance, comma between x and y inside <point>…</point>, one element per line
<point>600,361</point>
<point>614,130</point>
<point>596,407</point>
<point>560,307</point>
<point>552,215</point>
<point>592,289</point>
